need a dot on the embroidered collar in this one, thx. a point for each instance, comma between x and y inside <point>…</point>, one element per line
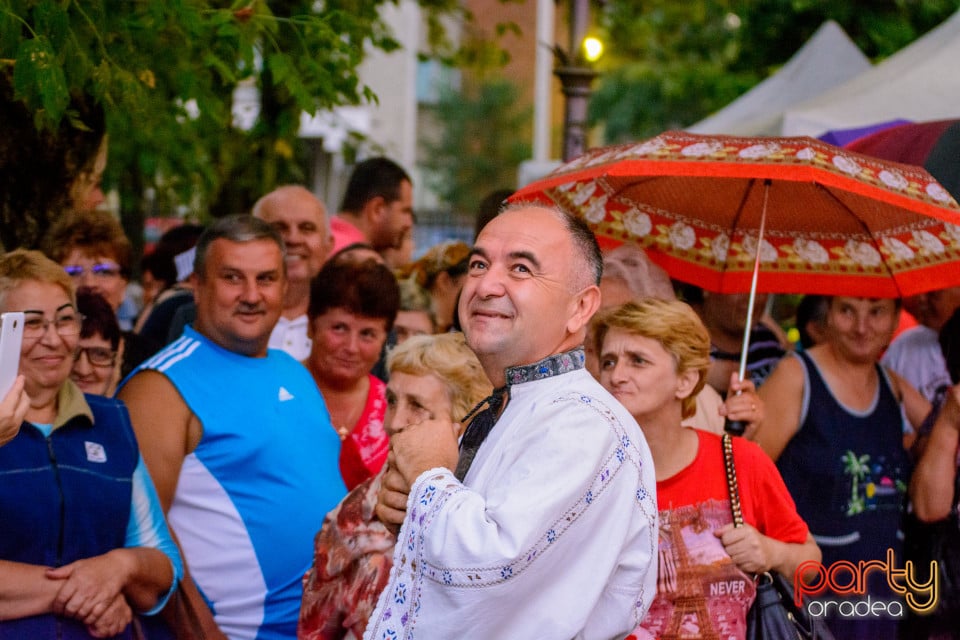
<point>550,366</point>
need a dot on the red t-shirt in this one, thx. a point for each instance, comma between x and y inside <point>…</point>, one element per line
<point>344,234</point>
<point>699,590</point>
<point>364,452</point>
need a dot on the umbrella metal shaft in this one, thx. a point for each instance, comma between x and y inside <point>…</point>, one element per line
<point>748,325</point>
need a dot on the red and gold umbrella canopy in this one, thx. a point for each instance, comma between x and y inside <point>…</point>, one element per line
<point>837,222</point>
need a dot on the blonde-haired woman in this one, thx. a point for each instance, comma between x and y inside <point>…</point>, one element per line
<point>654,355</point>
<point>431,377</point>
<point>84,543</point>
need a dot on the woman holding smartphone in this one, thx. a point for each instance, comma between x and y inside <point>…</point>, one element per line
<point>13,408</point>
<point>85,545</point>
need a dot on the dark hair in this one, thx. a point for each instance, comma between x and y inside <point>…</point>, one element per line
<point>98,317</point>
<point>236,228</point>
<point>586,243</point>
<point>490,207</point>
<point>38,167</point>
<point>451,257</point>
<point>93,232</point>
<point>363,288</point>
<point>689,293</point>
<point>372,178</point>
<point>812,308</point>
<point>181,238</point>
<point>342,255</point>
<point>950,345</point>
<point>160,265</point>
<point>897,302</point>
<point>459,269</point>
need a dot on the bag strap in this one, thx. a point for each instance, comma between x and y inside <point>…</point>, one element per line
<point>182,618</point>
<point>187,618</point>
<point>733,488</point>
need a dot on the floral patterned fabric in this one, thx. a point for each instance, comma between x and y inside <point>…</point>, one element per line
<point>550,366</point>
<point>482,422</point>
<point>352,556</point>
<point>836,221</point>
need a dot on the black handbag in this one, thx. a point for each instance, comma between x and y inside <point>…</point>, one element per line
<point>774,614</point>
<point>935,541</point>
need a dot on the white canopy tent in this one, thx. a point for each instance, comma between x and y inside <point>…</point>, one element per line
<point>826,60</point>
<point>919,83</point>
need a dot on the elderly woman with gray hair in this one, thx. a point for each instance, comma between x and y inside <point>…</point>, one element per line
<point>430,377</point>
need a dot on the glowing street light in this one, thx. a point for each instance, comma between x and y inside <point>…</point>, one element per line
<point>592,48</point>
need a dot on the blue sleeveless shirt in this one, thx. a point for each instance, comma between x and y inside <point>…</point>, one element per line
<point>254,492</point>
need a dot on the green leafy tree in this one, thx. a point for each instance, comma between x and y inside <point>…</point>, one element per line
<point>164,74</point>
<point>483,139</point>
<point>671,63</point>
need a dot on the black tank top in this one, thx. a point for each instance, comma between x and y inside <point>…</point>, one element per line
<point>848,471</point>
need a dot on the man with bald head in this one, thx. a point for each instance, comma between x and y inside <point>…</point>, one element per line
<point>301,220</point>
<point>915,354</point>
<point>543,522</point>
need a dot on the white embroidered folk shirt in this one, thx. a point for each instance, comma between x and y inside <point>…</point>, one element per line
<point>552,535</point>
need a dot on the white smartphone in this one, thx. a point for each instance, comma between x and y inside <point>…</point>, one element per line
<point>11,337</point>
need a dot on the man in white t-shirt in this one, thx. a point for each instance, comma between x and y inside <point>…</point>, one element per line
<point>915,354</point>
<point>301,220</point>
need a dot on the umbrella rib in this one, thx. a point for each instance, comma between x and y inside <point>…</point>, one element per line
<point>735,223</point>
<point>864,227</point>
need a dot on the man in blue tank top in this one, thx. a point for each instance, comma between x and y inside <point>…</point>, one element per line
<point>238,440</point>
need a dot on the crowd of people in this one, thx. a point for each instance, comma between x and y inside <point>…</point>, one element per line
<point>306,433</point>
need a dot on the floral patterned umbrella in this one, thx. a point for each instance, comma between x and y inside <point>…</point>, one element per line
<point>837,222</point>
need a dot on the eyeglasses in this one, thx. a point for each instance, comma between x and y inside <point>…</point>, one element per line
<point>98,356</point>
<point>100,271</point>
<point>66,323</point>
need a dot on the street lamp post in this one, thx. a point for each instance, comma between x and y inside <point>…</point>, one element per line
<point>576,80</point>
<point>576,84</point>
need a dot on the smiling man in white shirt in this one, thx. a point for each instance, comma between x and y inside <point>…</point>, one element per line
<point>301,220</point>
<point>543,523</point>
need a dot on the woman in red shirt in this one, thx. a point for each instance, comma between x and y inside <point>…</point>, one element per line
<point>654,355</point>
<point>352,309</point>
